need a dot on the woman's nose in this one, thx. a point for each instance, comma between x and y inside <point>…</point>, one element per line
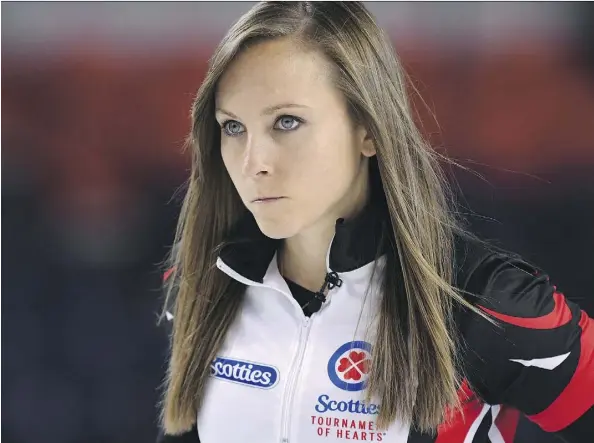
<point>257,159</point>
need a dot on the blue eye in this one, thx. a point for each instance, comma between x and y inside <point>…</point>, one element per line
<point>232,128</point>
<point>287,123</point>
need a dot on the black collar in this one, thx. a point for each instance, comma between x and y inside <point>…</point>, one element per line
<point>357,242</point>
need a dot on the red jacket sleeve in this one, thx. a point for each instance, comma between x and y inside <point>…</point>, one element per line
<point>540,357</point>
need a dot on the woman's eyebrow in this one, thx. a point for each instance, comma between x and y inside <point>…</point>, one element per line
<point>271,109</point>
<point>268,110</point>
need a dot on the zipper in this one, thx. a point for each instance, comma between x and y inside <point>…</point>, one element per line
<point>331,281</point>
<point>292,379</point>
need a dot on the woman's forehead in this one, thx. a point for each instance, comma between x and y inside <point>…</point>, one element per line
<point>276,71</point>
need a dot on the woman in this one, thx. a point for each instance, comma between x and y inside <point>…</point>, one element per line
<point>347,302</point>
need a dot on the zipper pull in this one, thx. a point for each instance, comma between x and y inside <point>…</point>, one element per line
<point>331,281</point>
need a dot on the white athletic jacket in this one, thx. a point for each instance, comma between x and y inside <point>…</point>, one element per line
<point>282,377</point>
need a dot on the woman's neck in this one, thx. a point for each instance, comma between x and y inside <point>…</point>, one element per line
<point>302,258</point>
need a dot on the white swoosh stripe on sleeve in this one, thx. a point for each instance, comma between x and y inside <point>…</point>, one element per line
<point>494,433</point>
<point>549,363</point>
<point>475,425</point>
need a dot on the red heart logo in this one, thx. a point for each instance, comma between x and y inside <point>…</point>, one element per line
<point>354,366</point>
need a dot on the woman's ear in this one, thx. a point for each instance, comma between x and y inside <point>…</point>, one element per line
<point>366,144</point>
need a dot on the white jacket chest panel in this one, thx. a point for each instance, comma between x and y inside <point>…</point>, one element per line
<point>266,332</point>
<point>321,367</point>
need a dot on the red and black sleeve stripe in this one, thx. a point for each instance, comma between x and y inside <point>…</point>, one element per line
<point>540,359</point>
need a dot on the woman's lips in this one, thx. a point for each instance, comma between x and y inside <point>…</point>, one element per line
<point>262,200</point>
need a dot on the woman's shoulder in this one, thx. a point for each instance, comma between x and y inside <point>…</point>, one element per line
<point>486,271</point>
<point>537,355</point>
<point>532,319</point>
<point>509,288</point>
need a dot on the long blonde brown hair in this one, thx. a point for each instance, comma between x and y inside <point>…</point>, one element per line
<point>414,372</point>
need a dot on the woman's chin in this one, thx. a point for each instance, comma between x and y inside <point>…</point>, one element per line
<point>276,229</point>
